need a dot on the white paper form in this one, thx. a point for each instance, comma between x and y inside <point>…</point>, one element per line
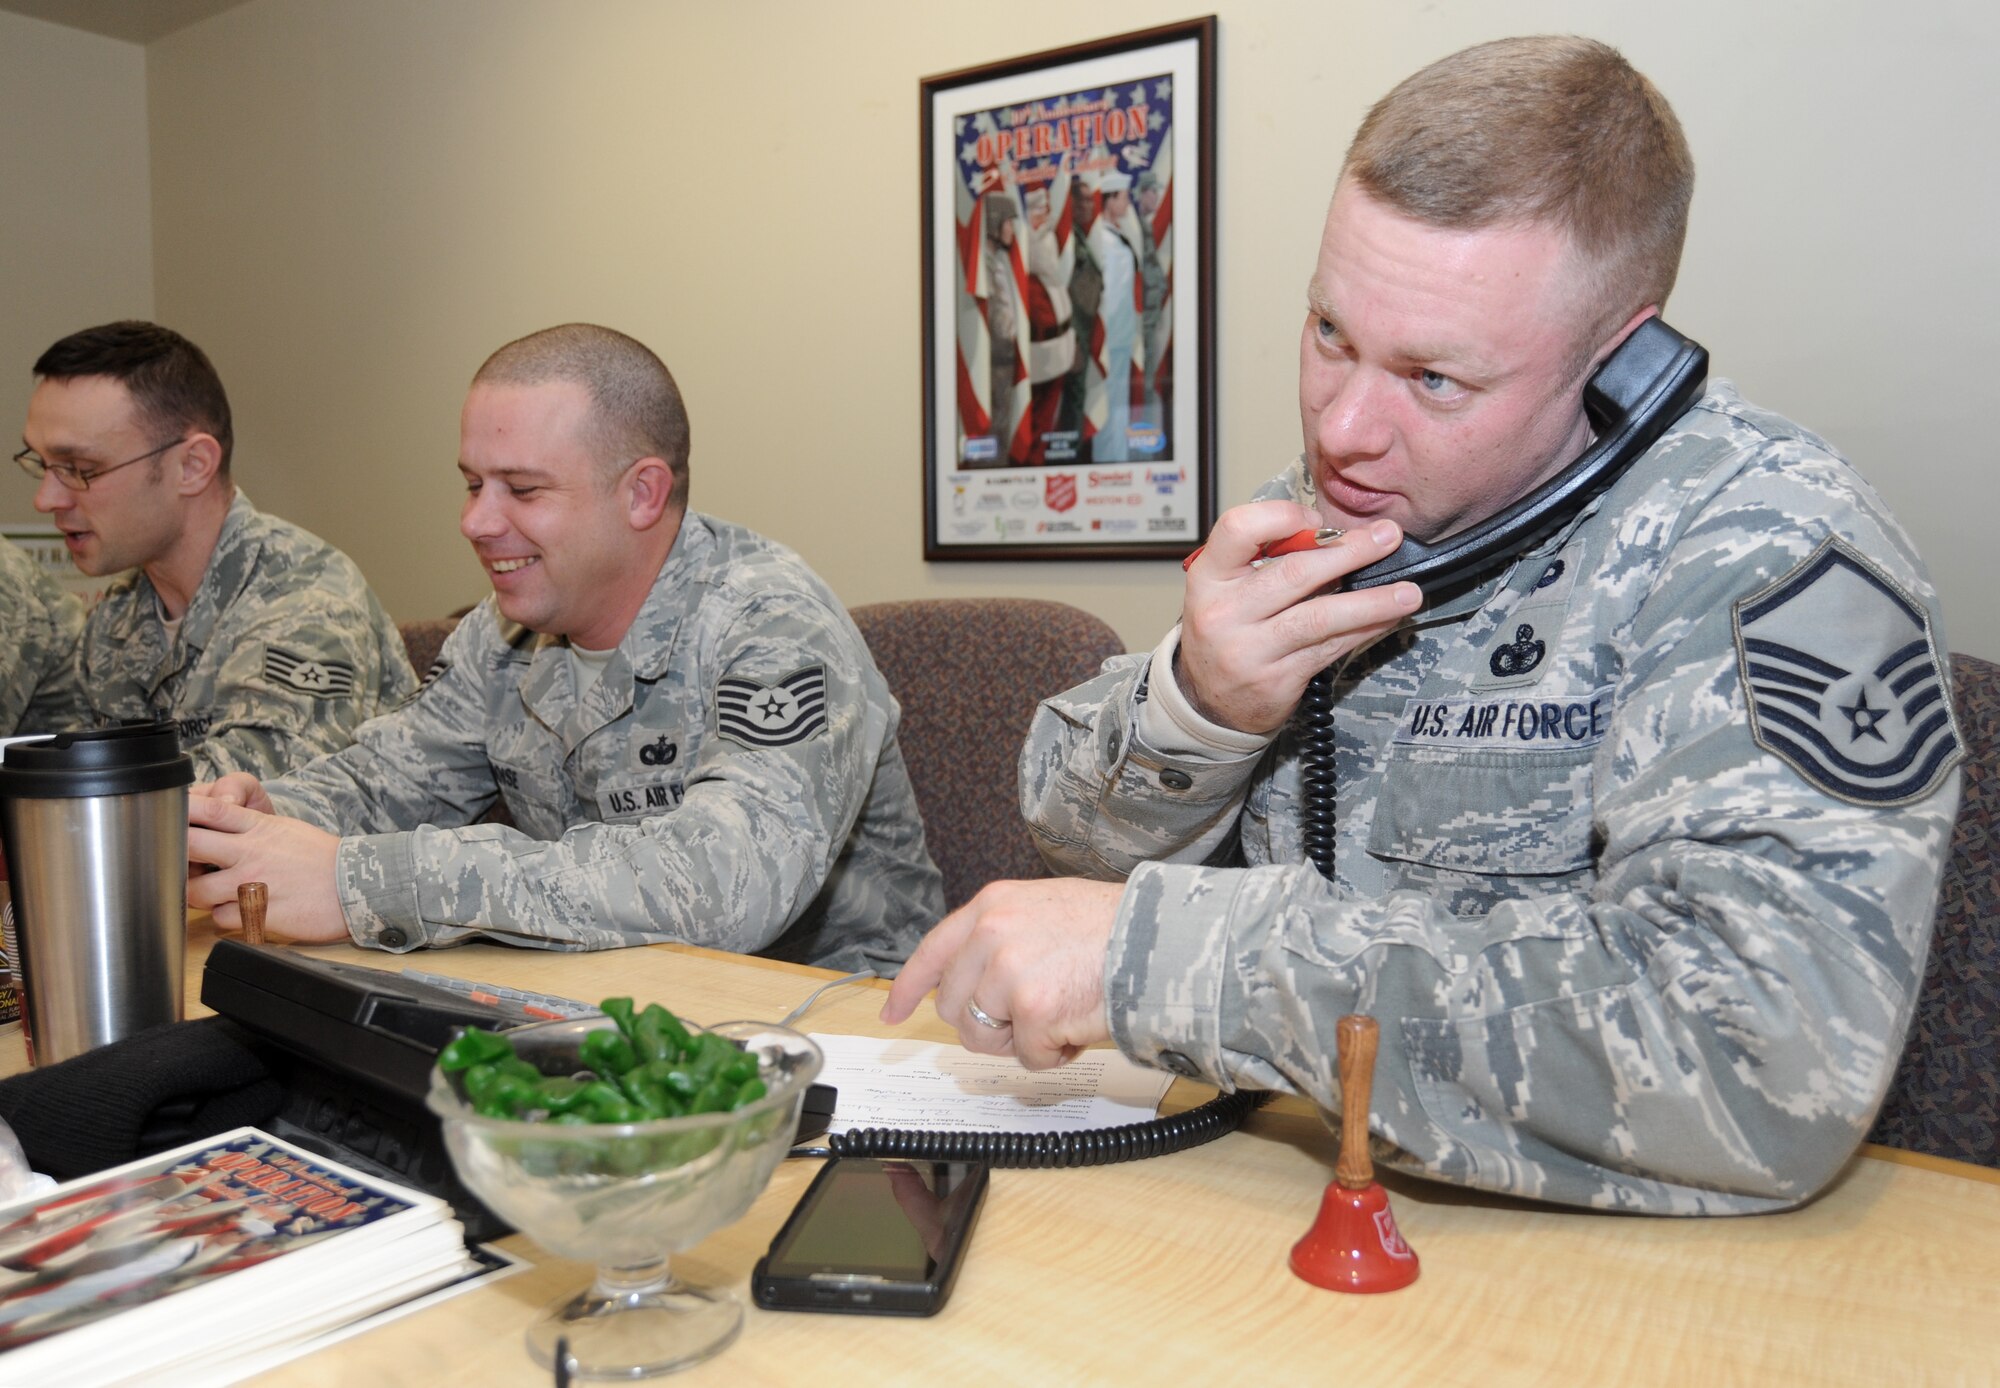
<point>935,1087</point>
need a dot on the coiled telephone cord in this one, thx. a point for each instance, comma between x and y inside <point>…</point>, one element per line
<point>1157,1137</point>
<point>1316,777</point>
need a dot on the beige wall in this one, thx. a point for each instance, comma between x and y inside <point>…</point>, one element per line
<point>76,242</point>
<point>354,202</point>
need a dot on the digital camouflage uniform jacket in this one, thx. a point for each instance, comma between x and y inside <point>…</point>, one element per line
<point>39,627</point>
<point>283,652</point>
<point>732,779</point>
<point>1638,846</point>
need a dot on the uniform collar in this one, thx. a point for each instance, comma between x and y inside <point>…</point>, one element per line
<point>1648,471</point>
<point>228,573</point>
<point>230,564</point>
<point>643,655</point>
<point>649,641</point>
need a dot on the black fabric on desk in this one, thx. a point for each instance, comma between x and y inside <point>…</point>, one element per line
<point>157,1089</point>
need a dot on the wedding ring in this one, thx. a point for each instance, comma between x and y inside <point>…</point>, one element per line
<point>980,1015</point>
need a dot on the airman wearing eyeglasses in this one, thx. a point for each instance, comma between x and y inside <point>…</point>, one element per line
<point>261,641</point>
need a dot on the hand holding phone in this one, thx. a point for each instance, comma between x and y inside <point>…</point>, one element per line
<point>1264,610</point>
<point>873,1237</point>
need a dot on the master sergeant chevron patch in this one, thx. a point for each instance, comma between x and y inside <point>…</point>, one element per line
<point>1844,680</point>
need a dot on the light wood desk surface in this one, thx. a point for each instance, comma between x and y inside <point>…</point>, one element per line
<point>1172,1270</point>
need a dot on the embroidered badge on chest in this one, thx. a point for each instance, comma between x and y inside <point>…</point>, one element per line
<point>1516,655</point>
<point>326,679</point>
<point>1519,656</point>
<point>1844,681</point>
<point>773,715</point>
<point>1516,651</point>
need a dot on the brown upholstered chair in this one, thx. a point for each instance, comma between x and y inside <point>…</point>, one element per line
<point>1946,1096</point>
<point>969,673</point>
<point>424,639</point>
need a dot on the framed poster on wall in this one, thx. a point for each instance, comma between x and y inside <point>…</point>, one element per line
<point>1069,301</point>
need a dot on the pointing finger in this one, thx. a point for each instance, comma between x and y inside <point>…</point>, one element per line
<point>926,967</point>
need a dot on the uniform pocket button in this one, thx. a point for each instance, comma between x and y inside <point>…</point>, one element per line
<point>1173,778</point>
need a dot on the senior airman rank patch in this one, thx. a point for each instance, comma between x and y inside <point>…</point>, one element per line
<point>773,715</point>
<point>1844,680</point>
<point>326,679</point>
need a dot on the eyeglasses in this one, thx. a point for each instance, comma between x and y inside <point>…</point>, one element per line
<point>73,477</point>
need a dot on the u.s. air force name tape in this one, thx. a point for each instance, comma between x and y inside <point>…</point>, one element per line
<point>1505,724</point>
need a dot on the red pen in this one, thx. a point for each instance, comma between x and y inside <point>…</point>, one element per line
<point>1291,544</point>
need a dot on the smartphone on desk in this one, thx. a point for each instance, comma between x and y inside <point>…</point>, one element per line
<point>873,1237</point>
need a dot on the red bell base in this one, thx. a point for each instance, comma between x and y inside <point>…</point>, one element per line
<point>1354,1245</point>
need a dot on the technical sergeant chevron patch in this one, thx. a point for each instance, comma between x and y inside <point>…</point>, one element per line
<point>773,715</point>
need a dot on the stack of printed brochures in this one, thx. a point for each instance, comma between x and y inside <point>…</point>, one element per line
<point>215,1261</point>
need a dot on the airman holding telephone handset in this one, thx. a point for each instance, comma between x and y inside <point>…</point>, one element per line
<point>1633,803</point>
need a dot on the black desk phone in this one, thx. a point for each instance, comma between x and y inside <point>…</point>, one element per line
<point>353,1048</point>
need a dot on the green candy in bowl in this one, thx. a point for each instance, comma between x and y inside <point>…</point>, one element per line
<point>626,1194</point>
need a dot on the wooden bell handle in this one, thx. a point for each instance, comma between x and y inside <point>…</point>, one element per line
<point>1357,1038</point>
<point>252,898</point>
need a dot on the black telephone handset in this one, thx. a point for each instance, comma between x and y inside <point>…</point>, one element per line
<point>1641,388</point>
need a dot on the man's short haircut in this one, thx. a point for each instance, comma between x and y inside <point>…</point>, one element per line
<point>171,381</point>
<point>637,407</point>
<point>1550,131</point>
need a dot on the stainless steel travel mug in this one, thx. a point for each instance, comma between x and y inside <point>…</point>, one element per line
<point>95,832</point>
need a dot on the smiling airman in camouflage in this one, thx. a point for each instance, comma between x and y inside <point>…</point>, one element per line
<point>688,733</point>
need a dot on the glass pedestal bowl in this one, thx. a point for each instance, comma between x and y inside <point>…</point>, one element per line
<point>625,1196</point>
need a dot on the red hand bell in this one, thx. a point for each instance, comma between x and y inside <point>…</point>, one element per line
<point>1354,1245</point>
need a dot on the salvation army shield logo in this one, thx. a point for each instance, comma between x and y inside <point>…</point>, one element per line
<point>1844,681</point>
<point>1059,490</point>
<point>773,715</point>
